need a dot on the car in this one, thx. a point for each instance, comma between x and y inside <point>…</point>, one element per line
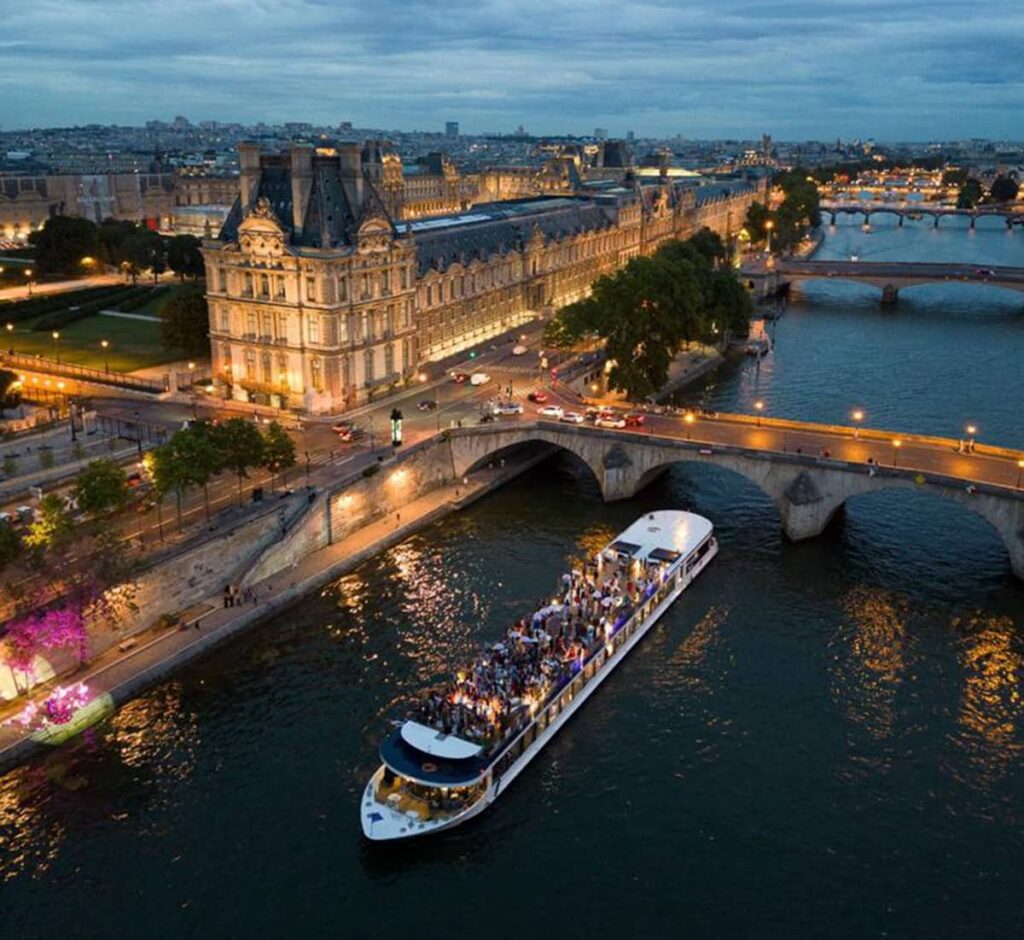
<point>634,420</point>
<point>519,350</point>
<point>508,408</point>
<point>479,378</point>
<point>984,272</point>
<point>550,411</point>
<point>341,427</point>
<point>539,398</point>
<point>428,404</point>
<point>486,418</point>
<point>460,378</point>
<point>610,421</point>
<point>572,417</point>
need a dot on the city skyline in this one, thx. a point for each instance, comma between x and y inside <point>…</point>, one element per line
<point>701,72</point>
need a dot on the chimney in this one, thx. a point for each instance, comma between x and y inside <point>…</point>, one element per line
<point>249,161</point>
<point>350,171</point>
<point>302,182</point>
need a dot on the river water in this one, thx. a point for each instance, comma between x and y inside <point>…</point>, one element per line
<point>823,739</point>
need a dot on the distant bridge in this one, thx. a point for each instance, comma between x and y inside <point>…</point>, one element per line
<point>889,276</point>
<point>808,470</point>
<point>1012,214</point>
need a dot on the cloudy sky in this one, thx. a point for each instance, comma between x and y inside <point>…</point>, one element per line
<point>891,69</point>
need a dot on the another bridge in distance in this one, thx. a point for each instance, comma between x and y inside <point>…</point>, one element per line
<point>889,276</point>
<point>1012,214</point>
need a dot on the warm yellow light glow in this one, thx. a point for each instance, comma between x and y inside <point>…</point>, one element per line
<point>60,385</point>
<point>10,327</point>
<point>423,376</point>
<point>104,343</point>
<point>398,476</point>
<point>897,443</point>
<point>87,260</point>
<point>191,366</point>
<point>689,418</point>
<point>769,225</point>
<point>971,429</point>
<point>759,405</point>
<point>55,334</point>
<point>858,415</point>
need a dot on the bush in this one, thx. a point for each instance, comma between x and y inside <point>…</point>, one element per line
<point>19,310</point>
<point>67,316</point>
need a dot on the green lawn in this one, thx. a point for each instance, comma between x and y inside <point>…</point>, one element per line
<point>133,343</point>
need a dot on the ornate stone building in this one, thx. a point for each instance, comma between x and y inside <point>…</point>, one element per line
<point>327,289</point>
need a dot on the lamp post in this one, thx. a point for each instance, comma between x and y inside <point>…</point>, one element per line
<point>10,336</point>
<point>857,416</point>
<point>688,420</point>
<point>768,226</point>
<point>971,431</point>
<point>28,274</point>
<point>192,389</point>
<point>106,359</point>
<point>759,406</point>
<point>896,445</point>
<point>56,348</point>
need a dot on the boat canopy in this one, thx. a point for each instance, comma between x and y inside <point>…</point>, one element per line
<point>436,743</point>
<point>664,536</point>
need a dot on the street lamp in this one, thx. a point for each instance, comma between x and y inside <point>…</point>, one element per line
<point>10,336</point>
<point>896,445</point>
<point>857,416</point>
<point>106,360</point>
<point>56,349</point>
<point>768,226</point>
<point>971,431</point>
<point>688,419</point>
<point>28,274</point>
<point>759,405</point>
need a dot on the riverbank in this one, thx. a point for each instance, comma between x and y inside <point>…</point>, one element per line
<point>123,672</point>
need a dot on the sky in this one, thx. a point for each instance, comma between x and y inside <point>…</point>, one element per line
<point>887,69</point>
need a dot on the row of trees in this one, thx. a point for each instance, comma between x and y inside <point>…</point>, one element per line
<point>798,211</point>
<point>647,311</point>
<point>184,322</point>
<point>64,243</point>
<point>196,454</point>
<point>1004,189</point>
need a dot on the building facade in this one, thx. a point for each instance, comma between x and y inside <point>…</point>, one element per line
<point>325,291</point>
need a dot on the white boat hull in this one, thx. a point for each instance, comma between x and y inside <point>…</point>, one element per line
<point>382,822</point>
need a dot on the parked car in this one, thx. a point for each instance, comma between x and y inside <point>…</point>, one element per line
<point>550,411</point>
<point>479,378</point>
<point>341,427</point>
<point>519,350</point>
<point>539,397</point>
<point>610,421</point>
<point>634,420</point>
<point>508,408</point>
<point>572,417</point>
<point>428,404</point>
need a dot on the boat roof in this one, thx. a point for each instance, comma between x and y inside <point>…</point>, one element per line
<point>437,743</point>
<point>429,769</point>
<point>665,535</point>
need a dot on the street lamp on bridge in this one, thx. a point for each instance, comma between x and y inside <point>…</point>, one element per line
<point>971,431</point>
<point>688,419</point>
<point>106,356</point>
<point>896,445</point>
<point>28,274</point>
<point>858,416</point>
<point>56,348</point>
<point>759,406</point>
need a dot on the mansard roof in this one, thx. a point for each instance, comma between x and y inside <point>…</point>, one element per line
<point>492,228</point>
<point>332,215</point>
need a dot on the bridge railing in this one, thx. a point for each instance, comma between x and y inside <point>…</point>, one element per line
<point>82,373</point>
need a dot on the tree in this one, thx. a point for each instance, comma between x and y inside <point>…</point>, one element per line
<point>53,526</point>
<point>185,322</point>
<point>240,446</point>
<point>144,251</point>
<point>278,451</point>
<point>1003,189</point>
<point>196,450</point>
<point>100,487</point>
<point>184,257</point>
<point>970,194</point>
<point>758,215</point>
<point>710,245</point>
<point>954,177</point>
<point>10,545</point>
<point>113,233</point>
<point>10,390</point>
<point>62,243</point>
<point>170,474</point>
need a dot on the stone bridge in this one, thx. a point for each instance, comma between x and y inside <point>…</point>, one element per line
<point>1010,213</point>
<point>807,490</point>
<point>889,276</point>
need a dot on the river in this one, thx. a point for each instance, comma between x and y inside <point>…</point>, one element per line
<point>821,739</point>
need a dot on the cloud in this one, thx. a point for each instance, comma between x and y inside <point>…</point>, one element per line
<point>802,68</point>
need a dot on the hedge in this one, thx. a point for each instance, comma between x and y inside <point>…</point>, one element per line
<point>65,317</point>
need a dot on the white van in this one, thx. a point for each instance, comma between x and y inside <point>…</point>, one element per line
<point>479,378</point>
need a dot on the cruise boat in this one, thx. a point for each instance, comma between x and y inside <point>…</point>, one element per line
<point>473,736</point>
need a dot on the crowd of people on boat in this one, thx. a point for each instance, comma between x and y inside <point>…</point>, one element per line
<point>490,699</point>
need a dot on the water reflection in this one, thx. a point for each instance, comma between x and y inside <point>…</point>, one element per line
<point>30,838</point>
<point>991,709</point>
<point>870,658</point>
